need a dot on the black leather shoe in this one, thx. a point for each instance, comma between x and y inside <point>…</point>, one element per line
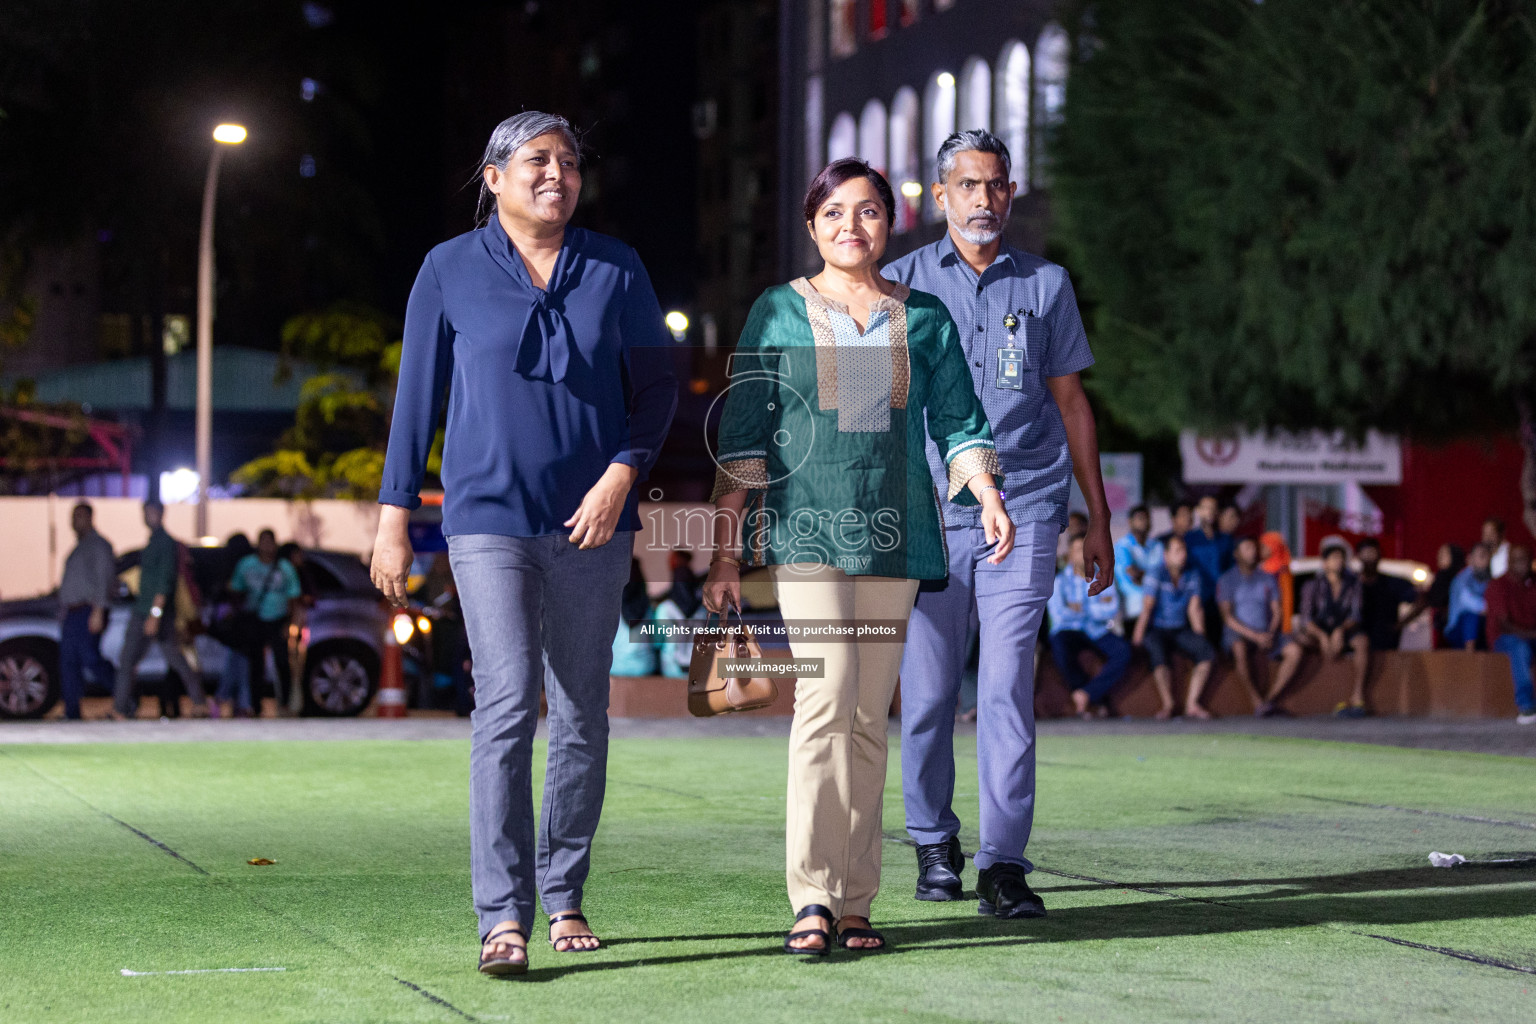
<point>938,871</point>
<point>1004,893</point>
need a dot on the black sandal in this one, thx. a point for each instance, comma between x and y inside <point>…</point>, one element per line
<point>555,943</point>
<point>499,966</point>
<point>844,934</point>
<point>811,910</point>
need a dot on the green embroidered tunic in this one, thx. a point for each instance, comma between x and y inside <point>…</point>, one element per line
<point>825,428</point>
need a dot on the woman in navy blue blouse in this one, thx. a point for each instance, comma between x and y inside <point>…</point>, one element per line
<point>550,345</point>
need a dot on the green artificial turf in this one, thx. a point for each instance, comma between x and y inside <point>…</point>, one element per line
<point>1188,878</point>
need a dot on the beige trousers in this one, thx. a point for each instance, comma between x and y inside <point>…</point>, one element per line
<point>837,743</point>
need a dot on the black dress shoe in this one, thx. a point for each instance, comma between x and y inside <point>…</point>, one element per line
<point>938,871</point>
<point>1004,893</point>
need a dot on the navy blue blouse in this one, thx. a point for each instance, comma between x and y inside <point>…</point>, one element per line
<point>546,388</point>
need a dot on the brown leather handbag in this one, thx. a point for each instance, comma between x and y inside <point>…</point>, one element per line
<point>708,694</point>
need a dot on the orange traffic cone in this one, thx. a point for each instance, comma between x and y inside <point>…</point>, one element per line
<point>392,678</point>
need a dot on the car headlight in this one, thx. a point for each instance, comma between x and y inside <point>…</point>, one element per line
<point>423,625</point>
<point>404,628</point>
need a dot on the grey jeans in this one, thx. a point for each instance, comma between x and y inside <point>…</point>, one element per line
<point>124,699</point>
<point>541,615</point>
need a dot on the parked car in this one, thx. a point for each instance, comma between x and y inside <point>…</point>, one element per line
<point>338,645</point>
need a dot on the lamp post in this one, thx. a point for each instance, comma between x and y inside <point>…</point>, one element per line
<point>223,135</point>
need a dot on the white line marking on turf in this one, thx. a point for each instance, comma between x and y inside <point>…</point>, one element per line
<point>205,970</point>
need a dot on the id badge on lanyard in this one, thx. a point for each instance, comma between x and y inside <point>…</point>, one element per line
<point>1013,358</point>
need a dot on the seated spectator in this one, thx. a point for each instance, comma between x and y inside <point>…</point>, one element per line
<point>1466,613</point>
<point>1135,555</point>
<point>1382,598</point>
<point>1512,626</point>
<point>1276,555</point>
<point>1449,561</point>
<point>1249,599</point>
<point>687,586</point>
<point>1498,546</point>
<point>1173,620</point>
<point>633,655</point>
<point>1080,623</point>
<point>1330,613</point>
<point>1077,526</point>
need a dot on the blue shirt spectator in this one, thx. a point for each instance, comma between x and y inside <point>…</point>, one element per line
<point>1171,596</point>
<point>1072,609</point>
<point>1252,594</point>
<point>268,586</point>
<point>1142,555</point>
<point>1468,594</point>
<point>1210,555</point>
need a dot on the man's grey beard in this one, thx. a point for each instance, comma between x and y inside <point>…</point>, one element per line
<point>976,235</point>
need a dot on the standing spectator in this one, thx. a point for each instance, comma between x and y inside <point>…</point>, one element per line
<point>1081,622</point>
<point>1183,520</point>
<point>1381,598</point>
<point>1249,599</point>
<point>1135,555</point>
<point>1330,611</point>
<point>1493,536</point>
<point>85,596</point>
<point>1512,626</point>
<point>235,677</point>
<point>1229,520</point>
<point>1276,555</point>
<point>1173,620</point>
<point>154,621</point>
<point>271,587</point>
<point>1466,613</point>
<point>1210,555</point>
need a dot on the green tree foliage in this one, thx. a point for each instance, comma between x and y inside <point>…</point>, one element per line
<point>1304,214</point>
<point>335,448</point>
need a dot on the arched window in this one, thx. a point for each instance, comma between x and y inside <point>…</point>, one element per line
<point>975,95</point>
<point>843,26</point>
<point>872,136</point>
<point>843,139</point>
<point>906,158</point>
<point>1013,108</point>
<point>814,157</point>
<point>1051,52</point>
<point>938,125</point>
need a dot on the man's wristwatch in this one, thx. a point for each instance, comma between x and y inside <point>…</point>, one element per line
<point>156,612</point>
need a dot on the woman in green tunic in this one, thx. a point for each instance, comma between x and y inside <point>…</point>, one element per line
<point>837,384</point>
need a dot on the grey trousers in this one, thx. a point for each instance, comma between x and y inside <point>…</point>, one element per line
<point>541,615</point>
<point>1009,600</point>
<point>124,699</point>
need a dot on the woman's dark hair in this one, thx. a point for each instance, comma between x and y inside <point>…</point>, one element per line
<point>840,172</point>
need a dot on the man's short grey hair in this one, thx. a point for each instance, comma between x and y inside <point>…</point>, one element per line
<point>978,139</point>
<point>510,136</point>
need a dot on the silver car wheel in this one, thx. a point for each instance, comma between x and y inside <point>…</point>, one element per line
<point>339,684</point>
<point>23,684</point>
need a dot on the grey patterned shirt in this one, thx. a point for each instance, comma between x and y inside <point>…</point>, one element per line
<point>1031,440</point>
<point>90,573</point>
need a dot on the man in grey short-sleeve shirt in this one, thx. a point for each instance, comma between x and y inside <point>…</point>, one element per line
<point>1025,344</point>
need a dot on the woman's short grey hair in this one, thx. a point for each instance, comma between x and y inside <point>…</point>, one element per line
<point>978,139</point>
<point>510,136</point>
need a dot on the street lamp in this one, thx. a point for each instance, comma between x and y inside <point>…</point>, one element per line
<point>223,135</point>
<point>677,323</point>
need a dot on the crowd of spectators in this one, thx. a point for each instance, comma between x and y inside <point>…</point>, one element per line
<point>1205,588</point>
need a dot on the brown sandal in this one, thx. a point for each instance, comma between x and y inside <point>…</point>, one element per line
<point>502,965</point>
